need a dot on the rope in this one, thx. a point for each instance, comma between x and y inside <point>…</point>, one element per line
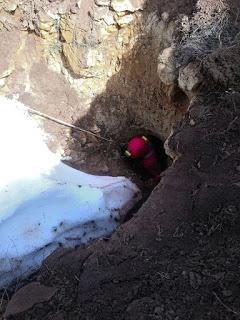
<point>63,123</point>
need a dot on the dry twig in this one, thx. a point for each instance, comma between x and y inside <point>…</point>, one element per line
<point>225,306</point>
<point>63,123</point>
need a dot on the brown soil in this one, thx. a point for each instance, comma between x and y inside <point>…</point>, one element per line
<point>178,258</point>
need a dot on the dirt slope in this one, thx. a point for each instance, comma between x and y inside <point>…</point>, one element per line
<point>178,258</point>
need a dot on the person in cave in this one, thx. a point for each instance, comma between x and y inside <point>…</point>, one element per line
<point>147,156</point>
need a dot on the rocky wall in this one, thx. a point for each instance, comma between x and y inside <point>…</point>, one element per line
<point>91,63</point>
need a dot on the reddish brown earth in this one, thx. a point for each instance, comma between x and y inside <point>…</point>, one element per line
<point>178,258</point>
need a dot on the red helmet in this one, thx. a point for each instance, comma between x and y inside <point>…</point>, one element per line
<point>138,147</point>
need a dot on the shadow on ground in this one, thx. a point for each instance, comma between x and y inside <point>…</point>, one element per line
<point>135,101</point>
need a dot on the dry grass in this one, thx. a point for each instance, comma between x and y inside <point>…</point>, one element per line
<point>207,30</point>
<point>213,26</point>
<point>4,299</point>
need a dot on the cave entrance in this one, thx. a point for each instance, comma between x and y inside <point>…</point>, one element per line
<point>146,182</point>
<point>154,149</point>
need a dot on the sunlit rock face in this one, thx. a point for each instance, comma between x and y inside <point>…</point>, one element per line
<point>127,5</point>
<point>45,203</point>
<point>99,58</point>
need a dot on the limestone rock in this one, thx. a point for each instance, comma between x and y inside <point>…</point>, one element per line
<point>11,6</point>
<point>126,19</point>
<point>190,77</point>
<point>93,41</point>
<point>103,13</point>
<point>74,50</point>
<point>127,5</point>
<point>166,66</point>
<point>105,3</point>
<point>46,26</point>
<point>86,7</point>
<point>8,21</point>
<point>66,29</point>
<point>109,18</point>
<point>172,154</point>
<point>77,59</point>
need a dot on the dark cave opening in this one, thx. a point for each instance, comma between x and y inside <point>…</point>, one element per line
<point>148,181</point>
<point>157,144</point>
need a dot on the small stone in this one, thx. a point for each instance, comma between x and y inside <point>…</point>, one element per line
<point>127,5</point>
<point>95,128</point>
<point>232,209</point>
<point>103,3</point>
<point>184,274</point>
<point>63,8</point>
<point>166,66</point>
<point>73,9</point>
<point>83,140</point>
<point>10,6</point>
<point>27,297</point>
<point>31,25</point>
<point>109,19</point>
<point>25,23</point>
<point>125,19</point>
<point>104,169</point>
<point>190,77</point>
<point>192,123</point>
<point>165,16</point>
<point>2,82</point>
<point>99,13</point>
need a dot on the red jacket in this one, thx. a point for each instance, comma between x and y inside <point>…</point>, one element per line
<point>141,149</point>
<point>151,163</point>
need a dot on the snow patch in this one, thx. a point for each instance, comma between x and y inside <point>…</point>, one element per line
<point>45,203</point>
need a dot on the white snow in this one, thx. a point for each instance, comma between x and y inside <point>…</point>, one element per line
<point>43,202</point>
